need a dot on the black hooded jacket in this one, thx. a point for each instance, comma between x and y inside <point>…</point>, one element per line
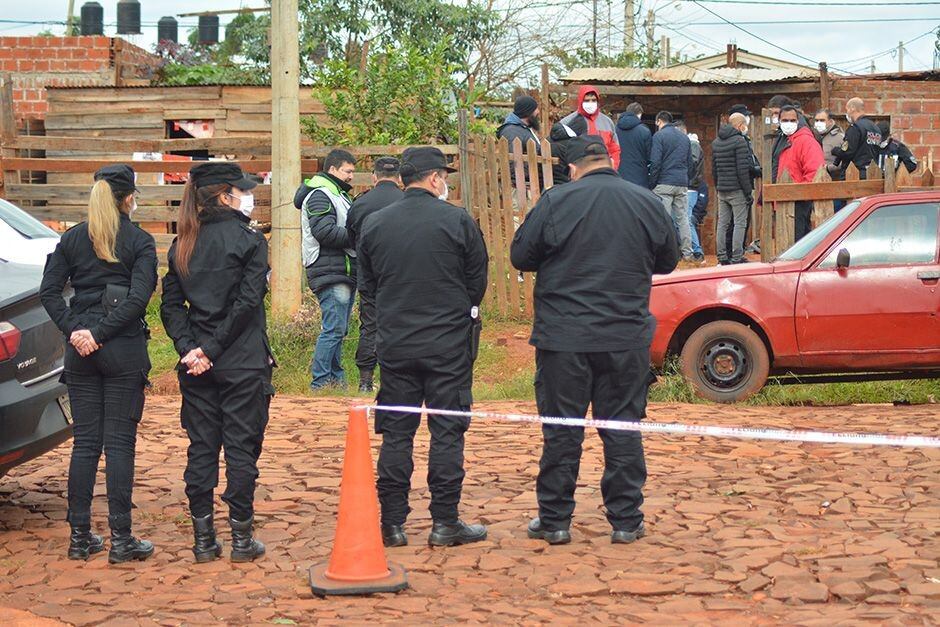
<point>559,138</point>
<point>636,141</point>
<point>731,161</point>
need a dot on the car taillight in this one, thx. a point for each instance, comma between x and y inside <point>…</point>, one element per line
<point>9,341</point>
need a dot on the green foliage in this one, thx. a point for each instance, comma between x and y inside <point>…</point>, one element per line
<point>210,74</point>
<point>406,95</point>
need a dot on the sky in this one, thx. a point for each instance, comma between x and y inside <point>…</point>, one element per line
<point>691,28</point>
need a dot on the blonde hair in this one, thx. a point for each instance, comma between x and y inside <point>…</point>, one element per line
<point>104,219</point>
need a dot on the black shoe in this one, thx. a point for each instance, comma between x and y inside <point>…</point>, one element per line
<point>537,532</point>
<point>125,547</point>
<point>205,545</point>
<point>366,385</point>
<point>741,260</point>
<point>452,534</point>
<point>724,262</point>
<point>244,547</point>
<point>394,535</point>
<point>83,543</point>
<point>618,536</point>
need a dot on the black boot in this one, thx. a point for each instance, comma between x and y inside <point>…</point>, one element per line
<point>553,536</point>
<point>453,534</point>
<point>244,547</point>
<point>394,535</point>
<point>83,543</point>
<point>205,546</point>
<point>366,384</point>
<point>125,547</point>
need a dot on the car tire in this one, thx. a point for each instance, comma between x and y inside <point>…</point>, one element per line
<point>725,361</point>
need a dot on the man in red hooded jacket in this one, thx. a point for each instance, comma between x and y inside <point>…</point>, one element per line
<point>801,156</point>
<point>589,107</point>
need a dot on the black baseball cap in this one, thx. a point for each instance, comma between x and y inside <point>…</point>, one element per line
<point>584,146</point>
<point>739,108</point>
<point>218,173</point>
<point>386,165</point>
<point>422,159</point>
<point>120,177</point>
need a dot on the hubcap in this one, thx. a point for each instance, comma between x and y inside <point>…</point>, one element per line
<point>725,364</point>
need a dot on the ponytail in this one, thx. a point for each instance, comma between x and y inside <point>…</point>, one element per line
<point>187,224</point>
<point>103,221</point>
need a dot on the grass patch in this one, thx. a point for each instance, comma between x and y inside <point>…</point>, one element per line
<point>499,375</point>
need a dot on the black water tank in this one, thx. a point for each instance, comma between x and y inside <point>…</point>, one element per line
<point>168,29</point>
<point>92,19</point>
<point>128,17</point>
<point>208,29</point>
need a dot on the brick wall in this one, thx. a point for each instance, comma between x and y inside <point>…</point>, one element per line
<point>35,62</point>
<point>914,107</point>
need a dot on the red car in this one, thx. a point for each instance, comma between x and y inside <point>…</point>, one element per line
<point>859,294</point>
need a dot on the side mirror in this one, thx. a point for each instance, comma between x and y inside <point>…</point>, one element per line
<point>843,258</point>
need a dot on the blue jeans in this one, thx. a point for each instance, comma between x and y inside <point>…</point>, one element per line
<point>336,304</point>
<point>696,244</point>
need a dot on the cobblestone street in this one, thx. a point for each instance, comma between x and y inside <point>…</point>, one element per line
<point>763,532</point>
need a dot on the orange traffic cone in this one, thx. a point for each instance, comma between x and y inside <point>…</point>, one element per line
<point>357,564</point>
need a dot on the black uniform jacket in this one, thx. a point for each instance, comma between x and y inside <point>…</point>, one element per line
<point>219,304</point>
<point>595,244</point>
<point>424,263</point>
<point>74,260</point>
<point>382,195</point>
<point>862,145</point>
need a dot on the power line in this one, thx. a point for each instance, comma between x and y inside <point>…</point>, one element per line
<point>882,3</point>
<point>872,57</point>
<point>817,22</point>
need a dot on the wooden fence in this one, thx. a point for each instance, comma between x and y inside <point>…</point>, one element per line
<point>506,181</point>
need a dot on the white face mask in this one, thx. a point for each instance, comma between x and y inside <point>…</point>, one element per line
<point>744,129</point>
<point>446,193</point>
<point>775,120</point>
<point>848,116</point>
<point>820,126</point>
<point>747,119</point>
<point>788,128</point>
<point>133,209</point>
<point>247,204</point>
<point>589,107</point>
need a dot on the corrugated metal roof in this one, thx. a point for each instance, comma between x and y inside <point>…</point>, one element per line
<point>685,74</point>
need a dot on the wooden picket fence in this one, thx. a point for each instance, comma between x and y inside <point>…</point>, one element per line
<point>779,208</point>
<point>493,167</point>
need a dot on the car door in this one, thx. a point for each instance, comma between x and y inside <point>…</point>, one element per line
<point>882,310</point>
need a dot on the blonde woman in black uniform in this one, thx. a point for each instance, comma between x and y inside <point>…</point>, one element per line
<point>112,266</point>
<point>213,309</point>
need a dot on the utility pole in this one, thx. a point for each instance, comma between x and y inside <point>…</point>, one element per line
<point>629,26</point>
<point>650,27</point>
<point>68,20</point>
<point>900,56</point>
<point>594,39</point>
<point>663,51</point>
<point>285,158</point>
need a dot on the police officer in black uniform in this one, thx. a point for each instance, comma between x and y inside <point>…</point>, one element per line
<point>595,244</point>
<point>112,266</point>
<point>422,261</point>
<point>894,152</point>
<point>863,139</point>
<point>213,309</point>
<point>386,190</point>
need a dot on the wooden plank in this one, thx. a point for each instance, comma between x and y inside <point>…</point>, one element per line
<point>196,114</point>
<point>90,166</point>
<point>874,173</point>
<point>510,211</point>
<point>482,200</point>
<point>217,145</point>
<point>891,177</point>
<point>821,191</point>
<point>822,209</point>
<point>309,150</point>
<point>144,213</point>
<point>763,142</point>
<point>78,194</point>
<point>718,89</point>
<point>113,94</point>
<point>466,187</point>
<point>548,175</point>
<point>784,220</point>
<point>104,121</point>
<point>496,236</point>
<point>852,173</point>
<point>533,161</point>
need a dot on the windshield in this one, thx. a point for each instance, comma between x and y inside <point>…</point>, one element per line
<point>23,223</point>
<point>804,246</point>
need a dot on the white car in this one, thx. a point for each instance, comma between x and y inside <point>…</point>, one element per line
<point>23,238</point>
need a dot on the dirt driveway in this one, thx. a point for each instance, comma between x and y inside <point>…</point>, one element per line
<point>762,532</point>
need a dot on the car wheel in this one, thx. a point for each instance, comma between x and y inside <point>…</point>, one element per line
<point>725,361</point>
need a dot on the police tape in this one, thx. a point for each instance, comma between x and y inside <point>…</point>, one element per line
<point>749,433</point>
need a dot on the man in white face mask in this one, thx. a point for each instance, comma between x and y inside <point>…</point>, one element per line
<point>589,108</point>
<point>801,157</point>
<point>829,135</point>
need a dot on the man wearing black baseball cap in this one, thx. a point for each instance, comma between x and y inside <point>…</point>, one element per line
<point>422,261</point>
<point>386,181</point>
<point>594,243</point>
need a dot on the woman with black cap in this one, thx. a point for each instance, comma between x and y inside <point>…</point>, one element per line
<point>213,309</point>
<point>112,266</point>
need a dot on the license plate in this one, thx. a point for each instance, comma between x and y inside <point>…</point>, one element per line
<point>66,407</point>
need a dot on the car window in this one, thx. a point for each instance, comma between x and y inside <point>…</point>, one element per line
<point>23,223</point>
<point>892,235</point>
<point>809,242</point>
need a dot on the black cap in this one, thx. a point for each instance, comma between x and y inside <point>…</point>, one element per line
<point>422,159</point>
<point>739,108</point>
<point>218,173</point>
<point>584,146</point>
<point>119,176</point>
<point>525,106</point>
<point>389,166</point>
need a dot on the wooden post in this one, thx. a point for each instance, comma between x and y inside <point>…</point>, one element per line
<point>7,131</point>
<point>891,177</point>
<point>287,267</point>
<point>545,102</point>
<point>785,224</point>
<point>824,85</point>
<point>764,136</point>
<point>822,209</point>
<point>466,184</point>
